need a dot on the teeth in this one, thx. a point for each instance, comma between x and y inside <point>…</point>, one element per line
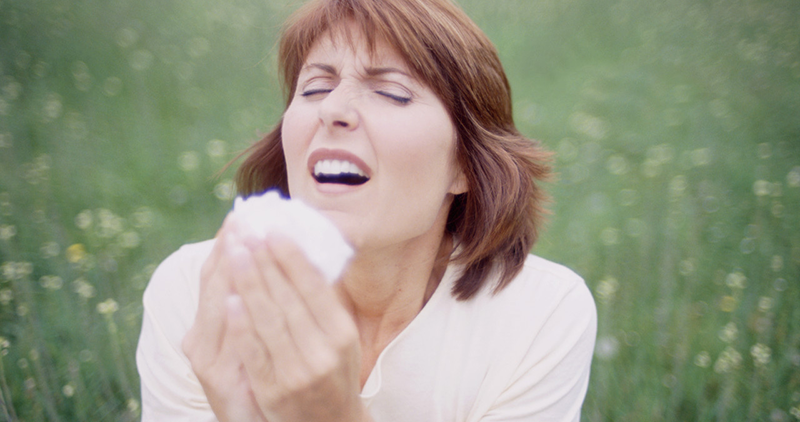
<point>333,167</point>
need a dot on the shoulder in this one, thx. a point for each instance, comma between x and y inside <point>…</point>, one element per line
<point>169,388</point>
<point>548,286</point>
<point>179,269</point>
<point>545,300</point>
<point>546,304</point>
<point>171,296</point>
<point>541,335</point>
<point>536,267</point>
<point>537,264</point>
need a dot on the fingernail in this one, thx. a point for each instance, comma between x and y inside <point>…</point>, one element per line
<point>237,252</point>
<point>276,240</point>
<point>230,241</point>
<point>234,304</point>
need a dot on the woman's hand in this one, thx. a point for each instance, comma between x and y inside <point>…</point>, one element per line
<point>287,350</point>
<point>211,348</point>
<point>299,345</point>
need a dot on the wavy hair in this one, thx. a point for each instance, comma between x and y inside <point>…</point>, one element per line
<point>496,221</point>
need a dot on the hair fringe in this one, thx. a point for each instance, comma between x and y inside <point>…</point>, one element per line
<point>495,222</point>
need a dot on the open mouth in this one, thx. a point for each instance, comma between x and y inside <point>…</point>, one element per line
<point>339,171</point>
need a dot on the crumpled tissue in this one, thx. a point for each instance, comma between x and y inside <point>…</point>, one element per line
<point>314,233</point>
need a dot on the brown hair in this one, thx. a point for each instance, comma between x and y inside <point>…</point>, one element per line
<point>496,221</point>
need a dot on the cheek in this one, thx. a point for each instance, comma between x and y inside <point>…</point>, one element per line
<point>293,138</point>
<point>425,145</point>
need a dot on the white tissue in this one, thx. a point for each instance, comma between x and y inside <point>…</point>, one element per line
<point>317,236</point>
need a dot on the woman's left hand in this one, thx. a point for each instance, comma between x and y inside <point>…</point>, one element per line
<point>299,345</point>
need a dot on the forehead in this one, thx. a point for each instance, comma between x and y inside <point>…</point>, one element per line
<point>349,42</point>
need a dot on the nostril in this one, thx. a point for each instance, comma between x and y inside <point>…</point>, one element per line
<point>340,123</point>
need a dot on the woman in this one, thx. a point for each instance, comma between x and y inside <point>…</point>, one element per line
<point>398,127</point>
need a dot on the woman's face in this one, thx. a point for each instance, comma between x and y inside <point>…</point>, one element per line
<point>369,145</point>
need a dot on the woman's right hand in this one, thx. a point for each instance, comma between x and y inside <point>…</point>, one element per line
<point>209,348</point>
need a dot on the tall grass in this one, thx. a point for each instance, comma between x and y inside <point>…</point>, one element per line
<point>676,125</point>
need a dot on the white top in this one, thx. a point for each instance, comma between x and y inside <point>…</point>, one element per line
<point>523,354</point>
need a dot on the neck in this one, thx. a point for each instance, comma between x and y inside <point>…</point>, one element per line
<point>385,289</point>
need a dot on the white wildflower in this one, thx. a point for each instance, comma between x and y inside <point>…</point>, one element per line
<point>728,360</point>
<point>729,332</point>
<point>736,280</point>
<point>107,307</point>
<point>702,359</point>
<point>607,289</point>
<point>51,282</point>
<point>761,354</point>
<point>606,348</point>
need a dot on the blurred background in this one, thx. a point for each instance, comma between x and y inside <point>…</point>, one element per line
<point>676,125</point>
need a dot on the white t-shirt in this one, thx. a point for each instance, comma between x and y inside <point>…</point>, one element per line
<point>523,354</point>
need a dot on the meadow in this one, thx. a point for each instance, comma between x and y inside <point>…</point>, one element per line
<point>676,126</point>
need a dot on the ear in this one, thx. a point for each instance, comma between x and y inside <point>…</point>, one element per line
<point>459,184</point>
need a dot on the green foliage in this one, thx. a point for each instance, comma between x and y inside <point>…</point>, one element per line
<point>676,130</point>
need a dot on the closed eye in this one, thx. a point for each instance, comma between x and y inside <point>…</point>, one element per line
<point>399,99</point>
<point>312,92</point>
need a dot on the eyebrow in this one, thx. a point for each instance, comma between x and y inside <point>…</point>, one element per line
<point>323,67</point>
<point>370,71</point>
<point>377,71</point>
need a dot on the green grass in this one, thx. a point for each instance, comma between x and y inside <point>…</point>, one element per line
<point>677,128</point>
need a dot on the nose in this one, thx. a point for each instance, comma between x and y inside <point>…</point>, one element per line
<point>338,109</point>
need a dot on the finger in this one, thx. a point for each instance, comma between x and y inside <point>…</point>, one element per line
<point>203,339</point>
<point>249,349</point>
<point>240,403</point>
<point>319,349</point>
<point>310,286</point>
<point>268,317</point>
<point>216,252</point>
<point>214,283</point>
